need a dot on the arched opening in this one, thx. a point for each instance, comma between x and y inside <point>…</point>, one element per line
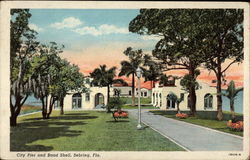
<point>208,101</point>
<point>76,101</point>
<point>99,100</point>
<point>170,101</point>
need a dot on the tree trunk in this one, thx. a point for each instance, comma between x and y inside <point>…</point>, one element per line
<point>44,106</point>
<point>51,104</point>
<point>232,109</point>
<point>192,94</point>
<point>13,122</point>
<point>108,97</point>
<point>15,109</point>
<point>219,97</point>
<point>62,106</point>
<point>178,108</point>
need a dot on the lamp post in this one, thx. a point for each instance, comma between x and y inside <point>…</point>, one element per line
<point>138,74</point>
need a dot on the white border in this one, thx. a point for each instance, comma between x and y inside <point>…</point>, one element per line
<point>4,73</point>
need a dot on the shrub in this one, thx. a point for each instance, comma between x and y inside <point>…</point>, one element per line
<point>115,103</point>
<point>237,126</point>
<point>181,115</point>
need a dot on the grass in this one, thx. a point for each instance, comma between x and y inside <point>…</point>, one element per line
<point>84,131</point>
<point>213,124</point>
<point>128,100</point>
<point>136,107</point>
<point>29,109</point>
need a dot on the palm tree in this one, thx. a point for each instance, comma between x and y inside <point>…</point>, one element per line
<point>104,77</point>
<point>136,58</point>
<point>176,99</point>
<point>231,94</point>
<point>153,72</point>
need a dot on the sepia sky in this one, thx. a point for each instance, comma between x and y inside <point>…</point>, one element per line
<point>94,36</point>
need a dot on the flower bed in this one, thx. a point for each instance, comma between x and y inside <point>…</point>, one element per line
<point>181,115</point>
<point>119,114</point>
<point>238,126</point>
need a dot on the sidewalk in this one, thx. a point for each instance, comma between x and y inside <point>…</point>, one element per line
<point>191,137</point>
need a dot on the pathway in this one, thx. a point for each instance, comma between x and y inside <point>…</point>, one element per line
<point>189,136</point>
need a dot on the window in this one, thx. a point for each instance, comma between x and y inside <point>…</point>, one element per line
<point>145,94</point>
<point>87,97</point>
<point>141,94</point>
<point>208,101</point>
<point>170,101</point>
<point>77,101</point>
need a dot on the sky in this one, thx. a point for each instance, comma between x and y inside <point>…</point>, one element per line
<point>93,37</point>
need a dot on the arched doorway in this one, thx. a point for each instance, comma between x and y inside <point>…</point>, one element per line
<point>208,101</point>
<point>171,101</point>
<point>99,100</point>
<point>76,101</point>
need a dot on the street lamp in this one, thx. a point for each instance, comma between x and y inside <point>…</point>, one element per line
<point>138,74</point>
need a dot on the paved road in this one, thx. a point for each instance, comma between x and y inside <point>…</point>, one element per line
<point>191,137</point>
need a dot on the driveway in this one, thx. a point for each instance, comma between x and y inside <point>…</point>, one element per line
<point>190,137</point>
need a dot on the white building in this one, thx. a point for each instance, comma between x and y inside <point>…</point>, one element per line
<point>205,97</point>
<point>126,91</point>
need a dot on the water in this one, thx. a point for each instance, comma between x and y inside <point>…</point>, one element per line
<point>31,100</point>
<point>238,103</point>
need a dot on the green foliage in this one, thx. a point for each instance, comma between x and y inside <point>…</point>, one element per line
<point>136,58</point>
<point>232,91</point>
<point>115,103</point>
<point>188,82</point>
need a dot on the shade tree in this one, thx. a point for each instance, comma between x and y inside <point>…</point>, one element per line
<point>180,45</point>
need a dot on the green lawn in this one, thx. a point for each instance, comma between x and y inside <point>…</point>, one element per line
<point>136,107</point>
<point>84,131</point>
<point>128,100</point>
<point>214,124</point>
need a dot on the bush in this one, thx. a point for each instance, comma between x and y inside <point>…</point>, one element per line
<point>237,126</point>
<point>115,103</point>
<point>181,115</point>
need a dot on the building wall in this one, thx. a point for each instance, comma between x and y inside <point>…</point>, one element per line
<point>86,104</point>
<point>125,90</point>
<point>159,96</point>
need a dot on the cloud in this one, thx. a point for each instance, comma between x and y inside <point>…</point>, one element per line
<point>35,27</point>
<point>70,22</point>
<point>103,29</point>
<point>151,37</point>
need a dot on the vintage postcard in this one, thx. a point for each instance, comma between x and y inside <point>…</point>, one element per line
<point>124,80</point>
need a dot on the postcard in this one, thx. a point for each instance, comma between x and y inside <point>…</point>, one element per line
<point>124,80</point>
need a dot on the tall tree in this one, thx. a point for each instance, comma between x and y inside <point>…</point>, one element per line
<point>231,93</point>
<point>152,72</point>
<point>180,45</point>
<point>46,66</point>
<point>224,40</point>
<point>23,46</point>
<point>105,77</point>
<point>136,59</point>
